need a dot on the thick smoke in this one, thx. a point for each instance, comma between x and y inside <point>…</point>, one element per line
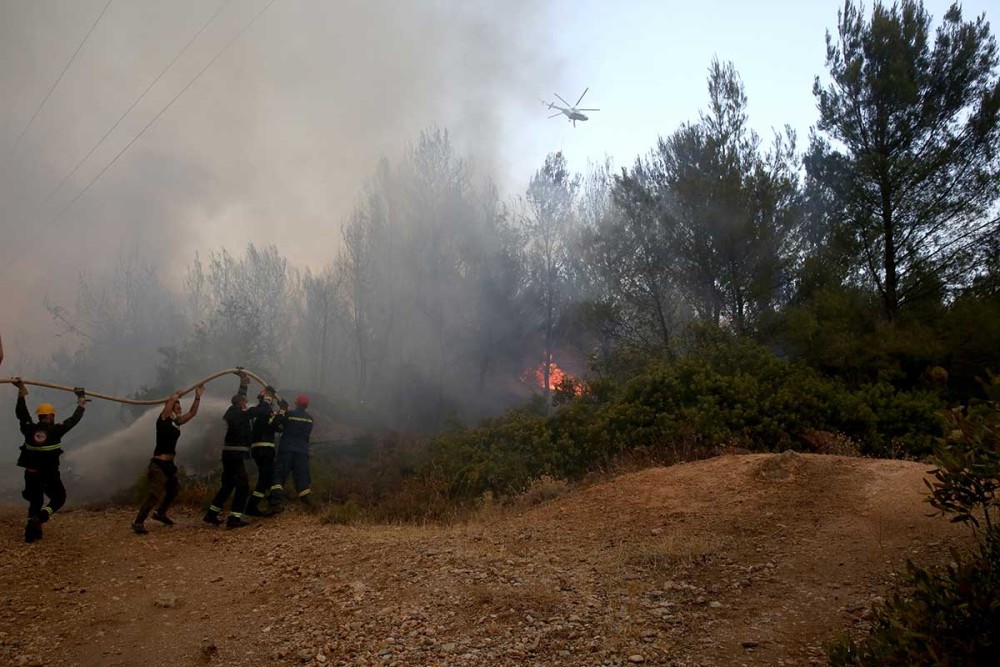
<point>271,145</point>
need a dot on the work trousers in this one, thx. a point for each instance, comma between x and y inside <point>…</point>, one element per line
<point>163,488</point>
<point>263,456</point>
<point>296,463</point>
<point>234,477</point>
<point>41,482</point>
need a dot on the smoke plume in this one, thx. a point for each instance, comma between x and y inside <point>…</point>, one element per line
<point>271,144</point>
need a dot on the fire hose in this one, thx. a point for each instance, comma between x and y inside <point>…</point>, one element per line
<point>136,401</point>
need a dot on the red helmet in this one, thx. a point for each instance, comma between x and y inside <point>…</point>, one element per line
<point>302,400</point>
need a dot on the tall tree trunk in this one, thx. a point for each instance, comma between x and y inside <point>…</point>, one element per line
<point>890,296</point>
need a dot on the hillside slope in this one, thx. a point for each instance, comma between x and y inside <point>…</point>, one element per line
<point>755,560</point>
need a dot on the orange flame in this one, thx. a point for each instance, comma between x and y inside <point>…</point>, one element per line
<point>556,377</point>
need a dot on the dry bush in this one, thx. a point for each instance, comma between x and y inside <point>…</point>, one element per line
<point>667,554</point>
<point>542,489</point>
<point>825,442</point>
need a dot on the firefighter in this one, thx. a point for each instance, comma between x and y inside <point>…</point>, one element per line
<point>293,455</point>
<point>40,458</point>
<point>235,452</point>
<point>162,471</point>
<point>266,424</point>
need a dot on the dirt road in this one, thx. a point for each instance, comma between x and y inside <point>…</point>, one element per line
<point>739,560</point>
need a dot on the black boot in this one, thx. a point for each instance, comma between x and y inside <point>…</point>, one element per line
<point>236,522</point>
<point>212,518</point>
<point>163,518</point>
<point>253,509</point>
<point>33,530</point>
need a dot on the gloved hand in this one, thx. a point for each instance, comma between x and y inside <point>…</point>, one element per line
<point>81,395</point>
<point>21,389</point>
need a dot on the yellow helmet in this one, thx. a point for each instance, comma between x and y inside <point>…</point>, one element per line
<point>45,409</point>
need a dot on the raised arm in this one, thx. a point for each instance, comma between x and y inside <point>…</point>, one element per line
<point>81,406</point>
<point>168,407</point>
<point>244,383</point>
<point>21,407</point>
<point>189,415</point>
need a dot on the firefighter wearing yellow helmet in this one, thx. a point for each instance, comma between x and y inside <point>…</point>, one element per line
<point>40,458</point>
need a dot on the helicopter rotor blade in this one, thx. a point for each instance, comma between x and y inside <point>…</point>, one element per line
<point>582,94</point>
<point>588,109</point>
<point>562,100</point>
<point>555,114</point>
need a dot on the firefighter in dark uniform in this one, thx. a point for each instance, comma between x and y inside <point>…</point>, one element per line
<point>266,425</point>
<point>40,458</point>
<point>162,471</point>
<point>235,452</point>
<point>293,455</point>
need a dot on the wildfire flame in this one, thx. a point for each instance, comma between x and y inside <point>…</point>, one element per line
<point>556,377</point>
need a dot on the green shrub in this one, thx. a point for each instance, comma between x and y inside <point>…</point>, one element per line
<point>721,392</point>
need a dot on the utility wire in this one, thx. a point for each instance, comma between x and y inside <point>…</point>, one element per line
<point>59,78</point>
<point>51,220</point>
<point>134,103</point>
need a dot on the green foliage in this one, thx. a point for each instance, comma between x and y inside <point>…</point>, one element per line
<point>719,391</point>
<point>967,478</point>
<point>893,423</point>
<point>970,332</point>
<point>905,153</point>
<point>838,331</point>
<point>710,219</point>
<point>502,455</point>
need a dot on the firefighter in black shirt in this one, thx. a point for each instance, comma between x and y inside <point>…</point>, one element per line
<point>40,458</point>
<point>162,472</point>
<point>266,425</point>
<point>235,452</point>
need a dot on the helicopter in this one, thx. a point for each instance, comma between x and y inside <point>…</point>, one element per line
<point>570,110</point>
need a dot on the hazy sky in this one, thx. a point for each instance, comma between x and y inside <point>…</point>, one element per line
<point>273,142</point>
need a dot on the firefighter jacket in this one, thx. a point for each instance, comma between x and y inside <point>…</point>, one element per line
<point>238,426</point>
<point>297,429</point>
<point>42,442</point>
<point>266,424</point>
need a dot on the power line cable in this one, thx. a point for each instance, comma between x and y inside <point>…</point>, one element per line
<point>135,102</point>
<point>59,78</point>
<point>51,220</point>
